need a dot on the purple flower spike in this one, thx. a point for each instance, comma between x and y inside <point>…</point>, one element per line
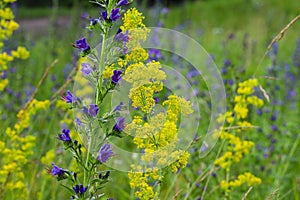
<point>70,98</point>
<point>65,136</point>
<point>86,69</point>
<point>115,14</point>
<point>56,170</point>
<point>93,110</point>
<point>105,153</point>
<point>116,77</point>
<point>123,3</point>
<point>120,124</point>
<point>79,189</point>
<point>82,44</point>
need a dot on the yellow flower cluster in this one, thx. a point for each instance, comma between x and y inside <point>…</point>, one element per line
<point>139,180</point>
<point>242,100</point>
<point>236,150</point>
<point>15,151</point>
<point>8,26</point>
<point>137,32</point>
<point>157,135</point>
<point>132,19</point>
<point>247,87</point>
<point>247,177</point>
<point>236,147</point>
<point>140,74</point>
<point>108,71</point>
<point>24,115</point>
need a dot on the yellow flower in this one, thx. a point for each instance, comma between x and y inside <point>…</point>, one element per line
<point>132,19</point>
<point>3,84</point>
<point>20,53</point>
<point>109,71</point>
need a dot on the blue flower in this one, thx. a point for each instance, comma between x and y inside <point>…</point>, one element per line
<point>79,189</point>
<point>122,37</point>
<point>56,170</point>
<point>70,98</point>
<point>86,69</point>
<point>164,11</point>
<point>93,110</point>
<point>65,136</point>
<point>82,44</point>
<point>105,153</point>
<point>120,124</point>
<point>123,3</point>
<point>118,107</point>
<point>115,14</point>
<point>116,76</point>
<point>78,121</point>
<point>94,22</point>
<point>104,14</point>
<point>154,54</point>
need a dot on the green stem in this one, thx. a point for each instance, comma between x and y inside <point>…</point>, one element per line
<point>86,170</point>
<point>208,179</point>
<point>101,67</point>
<point>99,91</point>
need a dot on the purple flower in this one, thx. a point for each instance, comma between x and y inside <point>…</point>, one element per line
<point>259,112</point>
<point>65,136</point>
<point>274,127</point>
<point>77,121</point>
<point>154,54</point>
<point>56,170</point>
<point>104,14</point>
<point>105,153</point>
<point>106,175</point>
<point>116,77</point>
<point>69,98</point>
<point>123,3</point>
<point>94,22</point>
<point>93,110</point>
<point>122,37</point>
<point>86,69</point>
<point>115,14</point>
<point>227,63</point>
<point>274,117</point>
<point>79,189</point>
<point>85,110</point>
<point>82,45</point>
<point>118,107</point>
<point>231,82</point>
<point>164,11</point>
<point>120,124</point>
